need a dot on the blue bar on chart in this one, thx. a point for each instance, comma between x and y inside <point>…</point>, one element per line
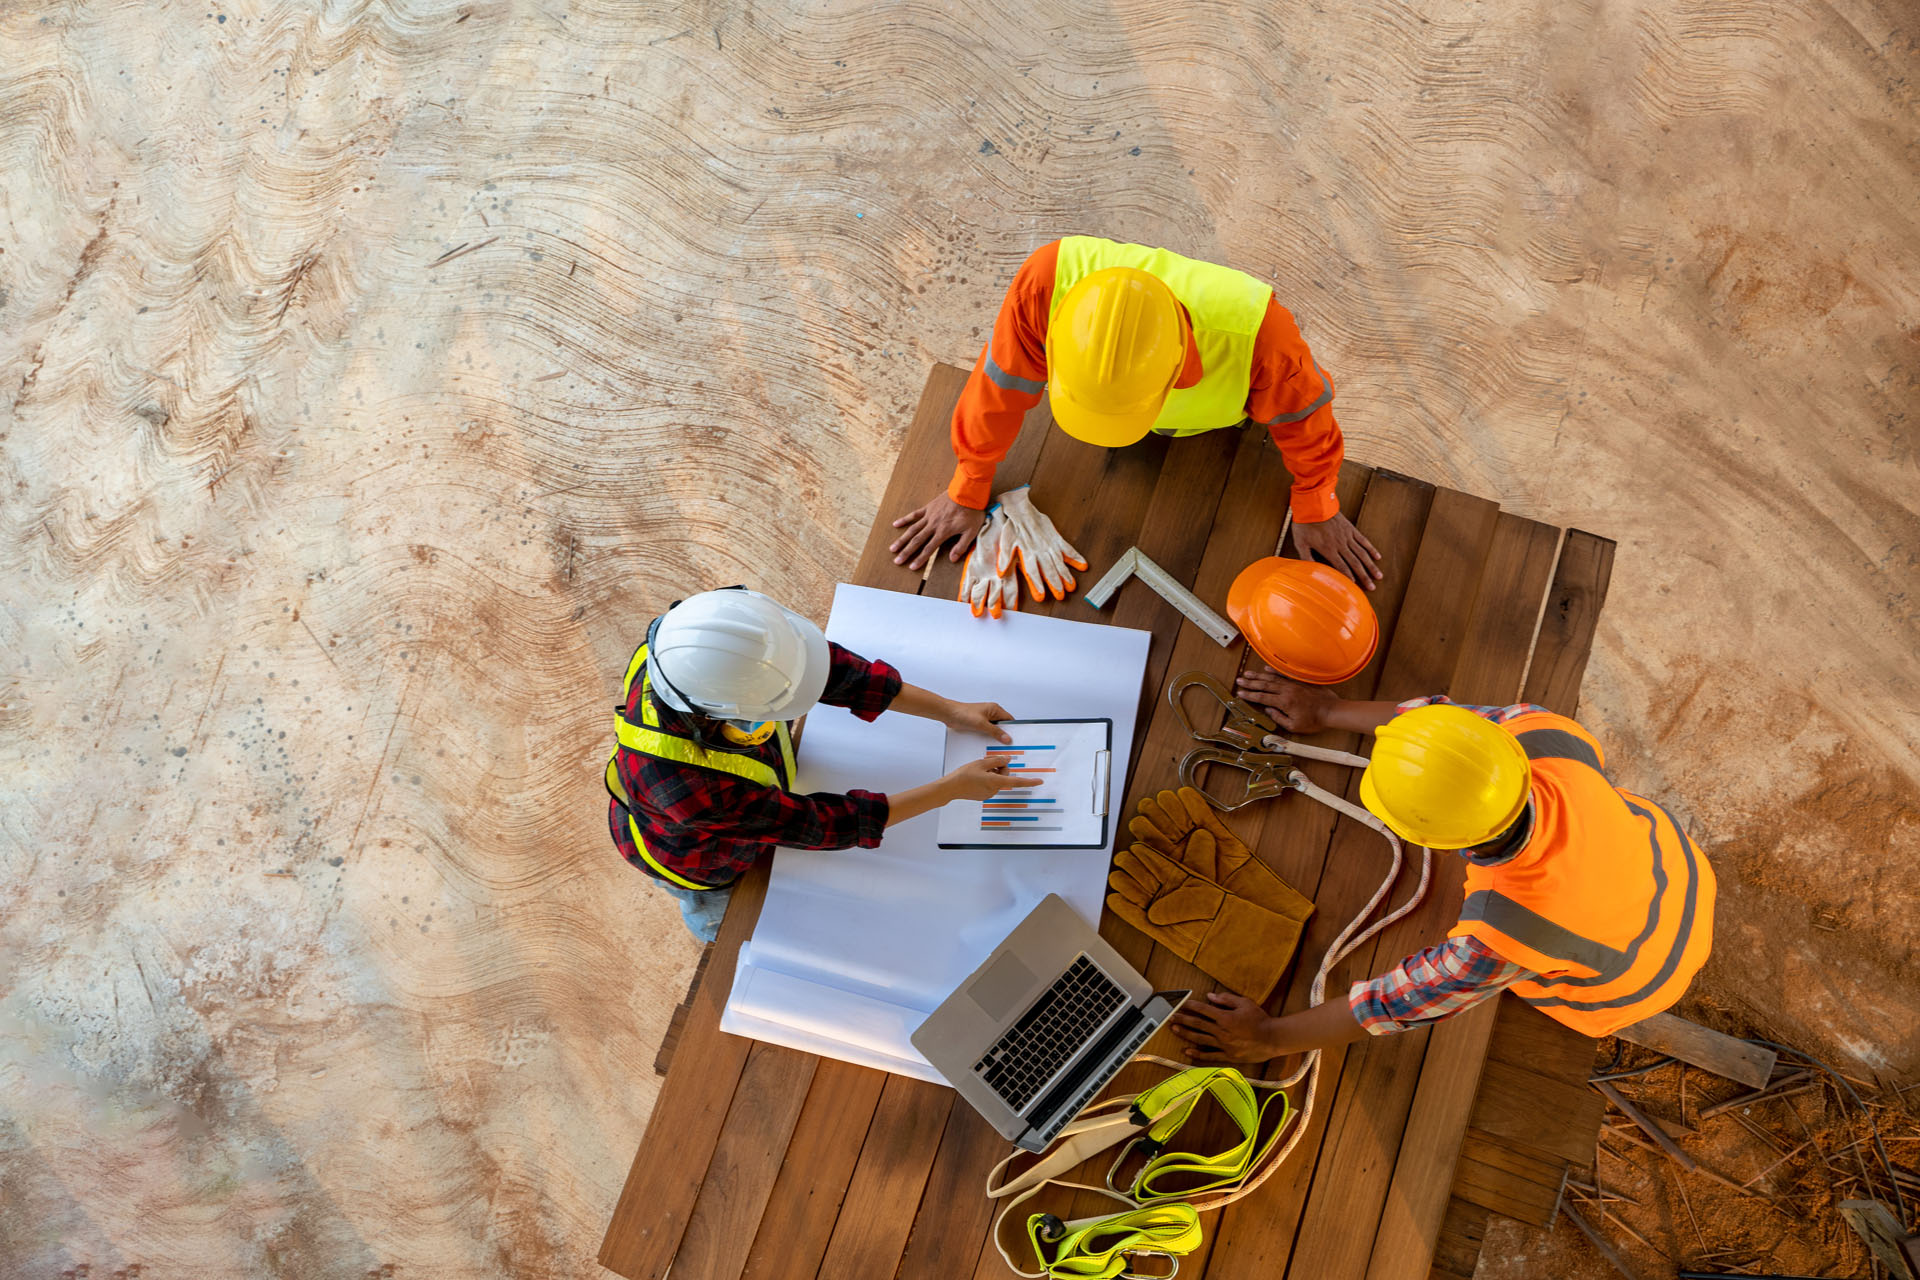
<point>1004,812</point>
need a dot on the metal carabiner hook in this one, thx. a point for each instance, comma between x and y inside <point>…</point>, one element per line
<point>1242,726</point>
<point>1268,774</point>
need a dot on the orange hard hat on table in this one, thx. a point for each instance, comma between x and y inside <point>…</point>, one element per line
<point>1308,620</point>
<point>1115,347</point>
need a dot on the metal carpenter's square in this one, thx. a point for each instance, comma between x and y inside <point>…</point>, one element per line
<point>1136,564</point>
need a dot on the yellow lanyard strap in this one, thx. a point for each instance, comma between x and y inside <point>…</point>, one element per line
<point>1103,1249</point>
<point>1169,1105</point>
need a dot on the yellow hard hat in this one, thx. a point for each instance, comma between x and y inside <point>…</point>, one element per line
<point>1445,778</point>
<point>1115,347</point>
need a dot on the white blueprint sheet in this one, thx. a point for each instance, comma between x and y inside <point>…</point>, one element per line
<point>854,947</point>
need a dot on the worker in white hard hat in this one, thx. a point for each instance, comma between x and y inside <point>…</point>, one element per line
<point>701,781</point>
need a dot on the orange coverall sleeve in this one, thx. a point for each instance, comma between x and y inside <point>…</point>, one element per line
<point>1292,397</point>
<point>1008,379</point>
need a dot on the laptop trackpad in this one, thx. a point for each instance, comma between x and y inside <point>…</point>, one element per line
<point>999,987</point>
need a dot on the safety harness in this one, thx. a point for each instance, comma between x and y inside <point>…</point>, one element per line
<point>1161,1220</point>
<point>649,739</point>
<point>1172,1188</point>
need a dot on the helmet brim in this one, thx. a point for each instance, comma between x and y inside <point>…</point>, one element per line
<point>1107,430</point>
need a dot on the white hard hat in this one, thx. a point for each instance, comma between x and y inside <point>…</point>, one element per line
<point>737,655</point>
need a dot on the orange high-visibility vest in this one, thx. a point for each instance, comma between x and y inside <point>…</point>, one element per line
<point>1609,901</point>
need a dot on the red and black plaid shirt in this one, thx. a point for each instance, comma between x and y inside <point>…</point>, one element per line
<point>710,826</point>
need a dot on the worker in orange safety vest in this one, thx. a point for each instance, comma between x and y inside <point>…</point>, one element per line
<point>1129,339</point>
<point>1585,900</point>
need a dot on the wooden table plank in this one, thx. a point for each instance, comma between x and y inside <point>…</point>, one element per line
<point>1539,1110</point>
<point>892,1171</point>
<point>1509,1181</point>
<point>922,472</point>
<point>746,1159</point>
<point>1097,498</point>
<point>1246,526</point>
<point>1253,1239</point>
<point>1566,628</point>
<point>800,1213</point>
<point>955,1215</point>
<point>1379,1076</point>
<point>1179,522</point>
<point>1423,1171</point>
<point>1072,482</point>
<point>651,1215</point>
<point>1175,530</point>
<point>1490,670</point>
<point>1559,661</point>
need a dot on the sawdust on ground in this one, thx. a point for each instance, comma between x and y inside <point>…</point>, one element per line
<point>372,372</point>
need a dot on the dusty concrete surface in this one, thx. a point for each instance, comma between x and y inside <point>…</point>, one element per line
<point>320,560</point>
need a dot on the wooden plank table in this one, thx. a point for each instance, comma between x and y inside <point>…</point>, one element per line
<point>768,1163</point>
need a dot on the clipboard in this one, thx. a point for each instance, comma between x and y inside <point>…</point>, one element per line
<point>1068,810</point>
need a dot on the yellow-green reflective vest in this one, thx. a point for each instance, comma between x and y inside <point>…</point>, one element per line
<point>649,739</point>
<point>1226,307</point>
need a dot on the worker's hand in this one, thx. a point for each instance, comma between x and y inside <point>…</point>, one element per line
<point>983,779</point>
<point>929,526</point>
<point>977,717</point>
<point>1226,1028</point>
<point>1299,708</point>
<point>1336,541</point>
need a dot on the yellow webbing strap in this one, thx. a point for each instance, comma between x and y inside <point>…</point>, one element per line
<point>1149,1121</point>
<point>1171,1104</point>
<point>1104,1248</point>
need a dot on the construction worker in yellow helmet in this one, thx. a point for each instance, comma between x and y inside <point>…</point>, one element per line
<point>1128,339</point>
<point>1585,900</point>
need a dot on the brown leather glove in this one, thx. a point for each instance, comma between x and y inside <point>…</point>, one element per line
<point>1181,825</point>
<point>1241,943</point>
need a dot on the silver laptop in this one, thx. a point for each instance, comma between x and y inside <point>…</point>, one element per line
<point>1041,1027</point>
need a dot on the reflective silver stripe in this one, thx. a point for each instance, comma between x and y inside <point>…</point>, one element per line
<point>1689,907</point>
<point>1558,744</point>
<point>1529,928</point>
<point>1006,381</point>
<point>1326,394</point>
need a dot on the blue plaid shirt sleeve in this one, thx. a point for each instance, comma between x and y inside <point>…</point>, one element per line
<point>1431,985</point>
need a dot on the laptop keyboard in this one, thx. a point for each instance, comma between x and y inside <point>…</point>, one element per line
<point>1058,1026</point>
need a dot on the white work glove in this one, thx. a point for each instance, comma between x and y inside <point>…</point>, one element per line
<point>1044,554</point>
<point>984,586</point>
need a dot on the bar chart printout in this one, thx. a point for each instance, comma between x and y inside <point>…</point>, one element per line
<point>1067,810</point>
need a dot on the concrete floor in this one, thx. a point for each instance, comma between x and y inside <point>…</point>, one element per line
<point>372,373</point>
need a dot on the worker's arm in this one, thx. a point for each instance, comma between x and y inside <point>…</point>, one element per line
<point>1427,987</point>
<point>961,717</point>
<point>1220,1027</point>
<point>1309,708</point>
<point>1291,396</point>
<point>1431,985</point>
<point>1008,379</point>
<point>981,779</point>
